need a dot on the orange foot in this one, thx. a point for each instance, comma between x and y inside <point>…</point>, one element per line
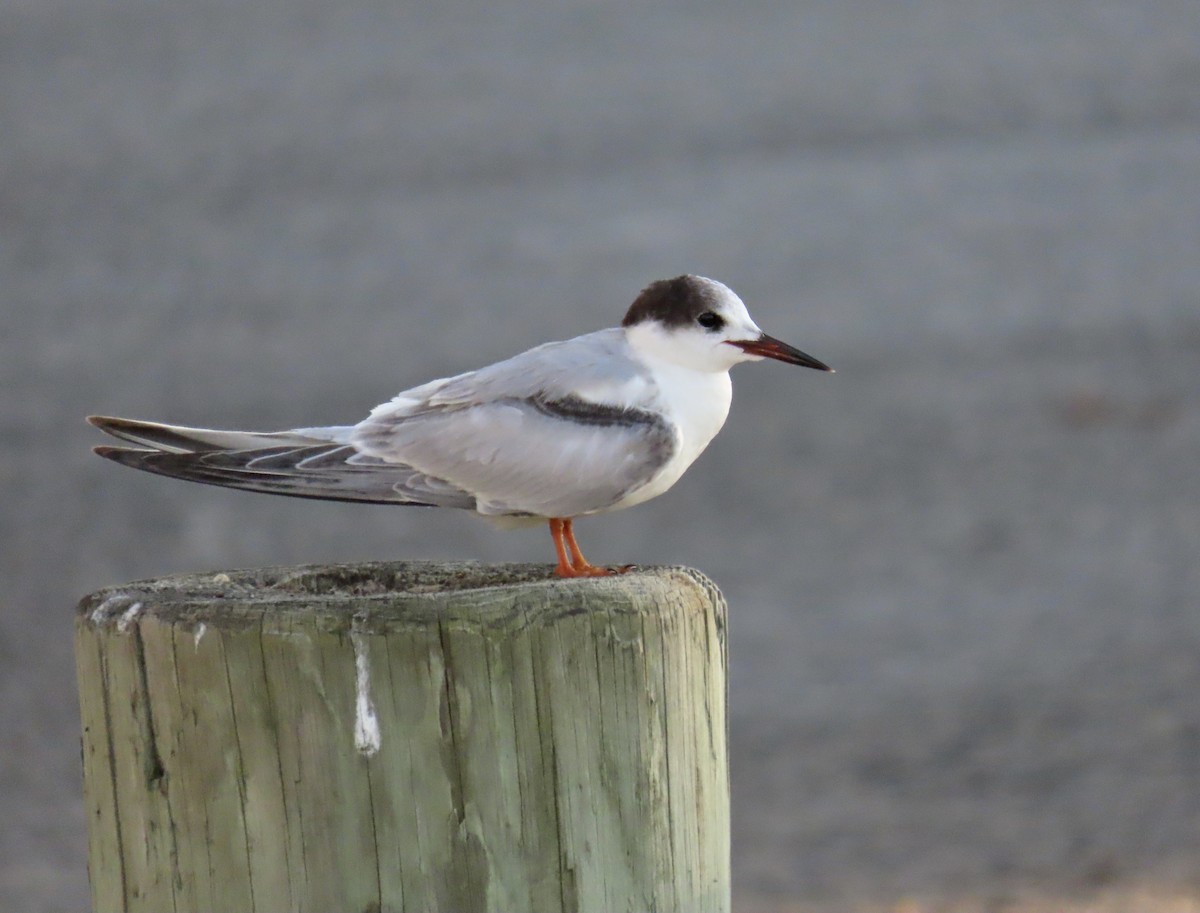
<point>571,562</point>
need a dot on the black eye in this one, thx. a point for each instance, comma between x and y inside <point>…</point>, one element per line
<point>710,321</point>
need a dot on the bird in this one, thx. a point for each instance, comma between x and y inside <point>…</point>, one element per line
<point>568,429</point>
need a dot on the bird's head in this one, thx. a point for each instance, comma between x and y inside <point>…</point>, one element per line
<point>701,324</point>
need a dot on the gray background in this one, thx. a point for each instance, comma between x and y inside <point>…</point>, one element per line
<point>963,570</point>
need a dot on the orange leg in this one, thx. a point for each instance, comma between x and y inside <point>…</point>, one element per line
<point>564,568</point>
<point>571,562</point>
<point>583,567</point>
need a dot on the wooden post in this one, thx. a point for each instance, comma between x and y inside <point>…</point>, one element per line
<point>406,737</point>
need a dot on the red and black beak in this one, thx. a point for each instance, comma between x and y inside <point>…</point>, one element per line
<point>770,347</point>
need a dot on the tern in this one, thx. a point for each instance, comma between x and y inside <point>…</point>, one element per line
<point>568,429</point>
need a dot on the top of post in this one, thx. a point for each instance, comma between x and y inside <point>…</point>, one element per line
<point>390,592</point>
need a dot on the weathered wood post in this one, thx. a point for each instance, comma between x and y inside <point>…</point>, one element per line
<point>402,737</point>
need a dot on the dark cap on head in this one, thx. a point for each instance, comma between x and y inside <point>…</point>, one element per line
<point>672,302</point>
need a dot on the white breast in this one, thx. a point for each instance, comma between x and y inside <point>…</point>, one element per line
<point>696,404</point>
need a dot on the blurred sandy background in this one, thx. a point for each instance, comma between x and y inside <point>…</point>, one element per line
<point>964,571</point>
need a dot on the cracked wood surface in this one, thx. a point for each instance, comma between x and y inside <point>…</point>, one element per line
<point>543,744</point>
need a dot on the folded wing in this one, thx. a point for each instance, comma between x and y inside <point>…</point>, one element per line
<point>561,430</point>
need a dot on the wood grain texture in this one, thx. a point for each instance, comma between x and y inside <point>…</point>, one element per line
<point>542,744</point>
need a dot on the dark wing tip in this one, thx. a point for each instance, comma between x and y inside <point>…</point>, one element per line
<point>126,455</point>
<point>133,457</point>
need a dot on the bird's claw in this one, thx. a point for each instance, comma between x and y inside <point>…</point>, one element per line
<point>592,570</point>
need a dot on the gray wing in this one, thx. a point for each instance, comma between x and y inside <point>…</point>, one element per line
<point>598,366</point>
<point>558,431</point>
<point>308,463</point>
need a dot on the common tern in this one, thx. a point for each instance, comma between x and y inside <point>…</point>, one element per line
<point>567,429</point>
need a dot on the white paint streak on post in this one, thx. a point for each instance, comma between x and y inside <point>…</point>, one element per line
<point>128,616</point>
<point>101,612</point>
<point>199,635</point>
<point>366,723</point>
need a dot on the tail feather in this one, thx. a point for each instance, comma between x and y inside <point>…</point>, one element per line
<point>181,439</point>
<point>294,463</point>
